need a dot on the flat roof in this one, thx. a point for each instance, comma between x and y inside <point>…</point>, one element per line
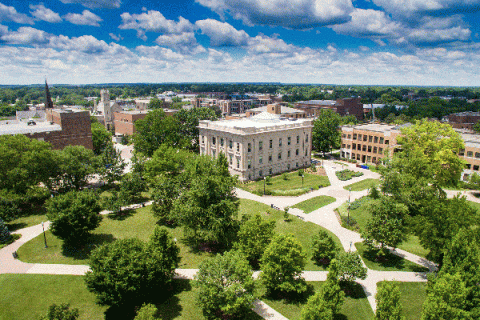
<point>21,127</point>
<point>378,127</point>
<point>284,110</point>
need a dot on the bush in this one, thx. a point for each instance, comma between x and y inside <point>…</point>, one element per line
<point>61,312</point>
<point>284,176</point>
<point>323,248</point>
<point>147,312</point>
<point>4,232</point>
<point>268,180</point>
<point>301,172</point>
<point>350,224</point>
<point>347,174</point>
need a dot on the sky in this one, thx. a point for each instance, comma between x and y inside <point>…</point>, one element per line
<point>345,42</point>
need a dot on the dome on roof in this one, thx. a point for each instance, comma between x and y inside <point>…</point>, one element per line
<point>266,117</point>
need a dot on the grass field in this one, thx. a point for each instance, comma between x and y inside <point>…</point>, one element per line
<point>412,296</point>
<point>141,223</point>
<point>28,297</point>
<point>355,307</point>
<point>291,187</point>
<point>389,262</point>
<point>25,222</point>
<point>362,215</point>
<point>314,203</point>
<point>362,185</point>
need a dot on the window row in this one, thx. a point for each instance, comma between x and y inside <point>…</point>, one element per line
<point>249,145</point>
<point>366,148</point>
<point>369,138</point>
<point>270,171</point>
<point>365,159</point>
<point>470,154</point>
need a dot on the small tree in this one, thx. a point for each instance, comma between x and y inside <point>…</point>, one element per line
<point>331,291</point>
<point>61,312</point>
<point>74,215</point>
<point>350,267</point>
<point>286,217</point>
<point>4,232</point>
<point>388,302</point>
<point>147,312</point>
<point>131,187</point>
<point>282,264</point>
<point>226,286</point>
<point>323,248</point>
<point>253,237</point>
<point>111,164</point>
<point>316,308</point>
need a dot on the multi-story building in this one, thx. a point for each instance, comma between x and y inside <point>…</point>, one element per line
<point>260,145</point>
<point>471,154</point>
<point>463,120</point>
<point>368,143</point>
<point>347,106</point>
<point>124,121</point>
<point>283,111</point>
<point>61,127</point>
<point>229,107</point>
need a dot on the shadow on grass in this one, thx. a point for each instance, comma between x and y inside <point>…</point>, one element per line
<point>297,299</point>
<point>121,215</point>
<point>165,299</point>
<point>16,226</point>
<point>82,251</point>
<point>353,290</point>
<point>389,260</point>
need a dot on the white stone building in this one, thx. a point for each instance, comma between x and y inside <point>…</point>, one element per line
<point>258,146</point>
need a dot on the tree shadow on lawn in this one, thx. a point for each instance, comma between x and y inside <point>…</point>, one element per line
<point>165,299</point>
<point>82,251</point>
<point>390,260</point>
<point>297,299</point>
<point>121,215</point>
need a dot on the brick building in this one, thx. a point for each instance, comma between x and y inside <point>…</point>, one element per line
<point>124,121</point>
<point>283,111</point>
<point>343,107</point>
<point>463,120</point>
<point>61,128</point>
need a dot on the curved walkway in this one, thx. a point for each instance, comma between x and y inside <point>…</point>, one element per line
<point>324,217</point>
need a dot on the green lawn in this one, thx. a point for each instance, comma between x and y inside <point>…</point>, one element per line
<point>389,262</point>
<point>355,307</point>
<point>476,205</point>
<point>28,297</point>
<point>140,224</point>
<point>361,215</point>
<point>25,222</point>
<point>362,185</point>
<point>314,203</point>
<point>291,187</point>
<point>412,296</point>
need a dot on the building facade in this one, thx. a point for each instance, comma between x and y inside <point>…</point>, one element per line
<point>258,146</point>
<point>283,111</point>
<point>463,120</point>
<point>346,106</point>
<point>471,154</point>
<point>368,143</point>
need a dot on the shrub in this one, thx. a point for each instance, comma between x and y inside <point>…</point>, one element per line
<point>61,312</point>
<point>347,174</point>
<point>284,176</point>
<point>268,180</point>
<point>301,172</point>
<point>146,312</point>
<point>4,232</point>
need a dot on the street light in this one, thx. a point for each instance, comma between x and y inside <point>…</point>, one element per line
<point>264,183</point>
<point>348,210</point>
<point>44,237</point>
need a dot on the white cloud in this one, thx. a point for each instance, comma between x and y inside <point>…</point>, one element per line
<point>115,37</point>
<point>45,14</point>
<point>3,30</point>
<point>86,18</point>
<point>95,4</point>
<point>368,23</point>
<point>222,33</point>
<point>11,14</point>
<point>295,14</point>
<point>186,43</point>
<point>154,21</point>
<point>26,36</point>
<point>264,44</point>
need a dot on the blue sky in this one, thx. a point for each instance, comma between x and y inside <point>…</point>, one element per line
<point>365,42</point>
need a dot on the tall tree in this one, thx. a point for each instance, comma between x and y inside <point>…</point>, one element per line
<point>76,165</point>
<point>388,302</point>
<point>111,164</point>
<point>189,120</point>
<point>101,137</point>
<point>325,133</point>
<point>331,291</point>
<point>350,267</point>
<point>323,247</point>
<point>316,308</point>
<point>282,264</point>
<point>226,286</point>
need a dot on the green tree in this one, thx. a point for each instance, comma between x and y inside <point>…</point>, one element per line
<point>476,126</point>
<point>323,247</point>
<point>282,264</point>
<point>101,138</point>
<point>111,164</point>
<point>4,232</point>
<point>388,302</point>
<point>316,308</point>
<point>129,272</point>
<point>387,226</point>
<point>226,286</point>
<point>156,129</point>
<point>253,237</point>
<point>446,299</point>
<point>61,312</point>
<point>350,267</point>
<point>76,165</point>
<point>165,194</point>
<point>131,187</point>
<point>147,312</point>
<point>325,133</point>
<point>166,160</point>
<point>155,103</point>
<point>73,215</point>
<point>331,291</point>
<point>189,120</point>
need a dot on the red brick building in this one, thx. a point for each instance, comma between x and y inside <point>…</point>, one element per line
<point>343,107</point>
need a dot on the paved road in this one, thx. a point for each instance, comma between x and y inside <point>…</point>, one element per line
<point>324,217</point>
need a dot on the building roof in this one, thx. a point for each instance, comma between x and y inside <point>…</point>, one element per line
<point>284,110</point>
<point>378,127</point>
<point>21,127</point>
<point>318,102</point>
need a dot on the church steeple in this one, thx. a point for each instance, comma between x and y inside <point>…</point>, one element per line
<point>48,98</point>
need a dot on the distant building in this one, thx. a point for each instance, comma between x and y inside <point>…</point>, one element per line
<point>463,120</point>
<point>283,111</point>
<point>471,154</point>
<point>260,145</point>
<point>59,127</point>
<point>106,108</point>
<point>347,106</point>
<point>124,121</point>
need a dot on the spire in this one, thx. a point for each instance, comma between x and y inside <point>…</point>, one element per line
<point>48,98</point>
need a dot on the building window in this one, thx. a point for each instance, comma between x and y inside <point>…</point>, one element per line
<point>270,158</point>
<point>296,164</point>
<point>289,140</point>
<point>238,146</point>
<point>298,139</point>
<point>354,136</point>
<point>343,145</point>
<point>462,152</point>
<point>288,154</point>
<point>477,155</point>
<point>475,168</point>
<point>249,164</point>
<point>230,144</point>
<point>213,154</point>
<point>271,144</point>
<point>306,138</point>
<point>359,137</point>
<point>354,146</point>
<point>381,140</point>
<point>469,166</point>
<point>238,163</point>
<point>221,142</point>
<point>349,136</point>
<point>231,160</point>
<point>288,166</point>
<point>364,147</point>
<point>280,142</point>
<point>260,159</point>
<point>270,171</point>
<point>296,152</point>
<point>260,173</point>
<point>368,158</point>
<point>249,147</point>
<point>369,148</point>
<point>353,155</point>
<point>380,150</point>
<point>374,159</point>
<point>374,149</point>
<point>214,140</point>
<point>279,156</point>
<point>370,138</point>
<point>348,146</point>
<point>469,153</point>
<point>386,141</point>
<point>260,145</point>
<point>375,139</point>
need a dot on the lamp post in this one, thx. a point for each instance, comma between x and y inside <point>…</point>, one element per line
<point>44,236</point>
<point>348,210</point>
<point>264,183</point>
<point>302,179</point>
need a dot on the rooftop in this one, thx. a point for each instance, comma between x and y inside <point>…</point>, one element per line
<point>21,127</point>
<point>377,127</point>
<point>284,110</point>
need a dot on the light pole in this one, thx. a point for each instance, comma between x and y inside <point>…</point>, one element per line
<point>302,179</point>
<point>348,210</point>
<point>44,237</point>
<point>264,183</point>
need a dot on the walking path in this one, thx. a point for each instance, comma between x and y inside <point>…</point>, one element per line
<point>324,217</point>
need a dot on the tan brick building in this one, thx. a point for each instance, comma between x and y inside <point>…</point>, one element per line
<point>124,121</point>
<point>260,145</point>
<point>368,143</point>
<point>471,154</point>
<point>283,111</point>
<point>347,106</point>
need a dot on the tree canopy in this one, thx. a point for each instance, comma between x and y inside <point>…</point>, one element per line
<point>325,133</point>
